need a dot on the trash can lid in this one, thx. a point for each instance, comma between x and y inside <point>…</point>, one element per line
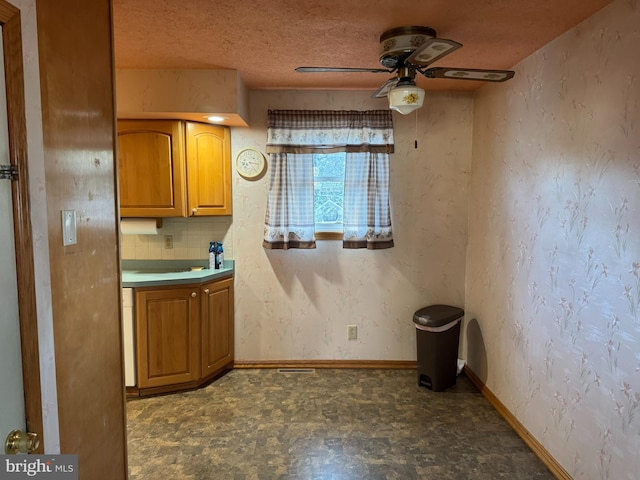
<point>437,315</point>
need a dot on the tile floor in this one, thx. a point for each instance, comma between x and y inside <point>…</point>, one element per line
<point>326,425</point>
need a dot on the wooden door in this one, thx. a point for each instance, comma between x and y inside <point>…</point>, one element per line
<point>151,163</point>
<point>12,415</point>
<point>217,326</point>
<point>20,374</point>
<point>76,78</point>
<point>168,336</point>
<point>208,169</point>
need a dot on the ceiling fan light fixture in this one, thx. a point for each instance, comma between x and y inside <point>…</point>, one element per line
<point>406,98</point>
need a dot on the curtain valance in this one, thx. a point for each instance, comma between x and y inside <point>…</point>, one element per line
<point>325,131</point>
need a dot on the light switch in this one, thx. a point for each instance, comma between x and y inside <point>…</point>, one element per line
<point>69,227</point>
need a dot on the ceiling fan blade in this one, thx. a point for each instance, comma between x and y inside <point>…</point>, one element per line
<point>383,91</point>
<point>469,74</point>
<point>431,50</point>
<point>341,69</point>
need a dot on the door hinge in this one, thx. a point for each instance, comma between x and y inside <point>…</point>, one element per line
<point>8,172</point>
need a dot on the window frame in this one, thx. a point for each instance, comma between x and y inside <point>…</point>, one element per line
<point>320,235</point>
<point>290,217</point>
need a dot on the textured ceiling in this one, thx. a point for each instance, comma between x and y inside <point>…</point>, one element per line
<point>265,40</point>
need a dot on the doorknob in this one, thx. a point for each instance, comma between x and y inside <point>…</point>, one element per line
<point>21,442</point>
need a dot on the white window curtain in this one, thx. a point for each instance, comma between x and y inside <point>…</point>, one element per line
<point>292,137</point>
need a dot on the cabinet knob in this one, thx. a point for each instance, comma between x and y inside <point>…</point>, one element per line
<point>206,291</point>
<point>194,294</point>
<point>194,211</point>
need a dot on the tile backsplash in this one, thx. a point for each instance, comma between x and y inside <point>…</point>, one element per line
<point>190,240</point>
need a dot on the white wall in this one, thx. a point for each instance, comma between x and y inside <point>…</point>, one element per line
<point>553,264</point>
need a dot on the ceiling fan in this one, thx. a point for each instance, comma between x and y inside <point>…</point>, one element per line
<point>407,51</point>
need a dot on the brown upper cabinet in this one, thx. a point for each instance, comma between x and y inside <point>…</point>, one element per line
<point>171,168</point>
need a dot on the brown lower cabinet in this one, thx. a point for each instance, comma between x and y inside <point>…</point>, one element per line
<point>184,335</point>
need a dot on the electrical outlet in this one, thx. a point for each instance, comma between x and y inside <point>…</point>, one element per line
<point>168,241</point>
<point>352,332</point>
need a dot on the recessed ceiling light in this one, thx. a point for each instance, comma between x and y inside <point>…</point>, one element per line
<point>216,118</point>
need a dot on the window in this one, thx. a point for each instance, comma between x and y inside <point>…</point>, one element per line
<point>329,175</point>
<point>328,192</point>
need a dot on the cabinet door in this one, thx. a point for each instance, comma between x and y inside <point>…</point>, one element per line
<point>208,169</point>
<point>151,168</point>
<point>217,326</point>
<point>167,326</point>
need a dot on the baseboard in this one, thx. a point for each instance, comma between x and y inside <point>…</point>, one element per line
<point>381,364</point>
<point>537,448</point>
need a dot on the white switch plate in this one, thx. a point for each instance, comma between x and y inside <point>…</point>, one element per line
<point>69,227</point>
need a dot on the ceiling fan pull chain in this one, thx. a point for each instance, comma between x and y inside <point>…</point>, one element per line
<point>416,140</point>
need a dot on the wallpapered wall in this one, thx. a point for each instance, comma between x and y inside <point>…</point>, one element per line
<point>296,304</point>
<point>553,261</point>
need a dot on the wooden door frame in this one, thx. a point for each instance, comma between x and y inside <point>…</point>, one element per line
<point>14,74</point>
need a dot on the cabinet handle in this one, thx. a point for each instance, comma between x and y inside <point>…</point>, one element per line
<point>194,294</point>
<point>206,291</point>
